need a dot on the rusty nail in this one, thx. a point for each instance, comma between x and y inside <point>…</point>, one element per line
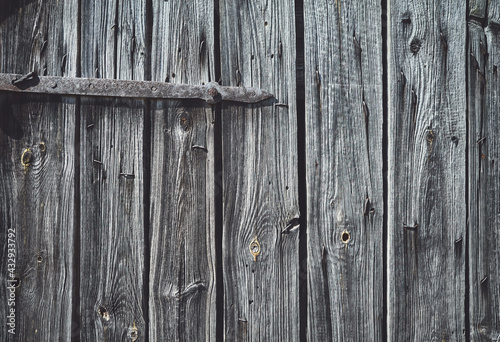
<point>412,228</point>
<point>200,147</point>
<point>480,141</point>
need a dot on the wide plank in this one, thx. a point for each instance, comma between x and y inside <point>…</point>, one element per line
<point>182,301</point>
<point>260,182</point>
<point>112,305</point>
<point>427,207</point>
<point>345,203</point>
<point>37,172</point>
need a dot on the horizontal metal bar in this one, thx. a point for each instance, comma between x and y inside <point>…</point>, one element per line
<point>211,92</point>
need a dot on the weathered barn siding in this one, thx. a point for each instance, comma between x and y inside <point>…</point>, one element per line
<point>344,116</point>
<point>427,137</point>
<point>484,182</point>
<point>170,220</point>
<point>260,184</point>
<point>112,305</point>
<point>182,278</point>
<point>37,170</point>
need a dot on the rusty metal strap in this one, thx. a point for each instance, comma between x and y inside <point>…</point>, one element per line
<point>211,92</point>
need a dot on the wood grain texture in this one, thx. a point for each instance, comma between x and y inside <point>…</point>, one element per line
<point>260,184</point>
<point>182,278</point>
<point>344,116</point>
<point>37,198</point>
<point>484,181</point>
<point>427,168</point>
<point>478,8</point>
<point>112,214</point>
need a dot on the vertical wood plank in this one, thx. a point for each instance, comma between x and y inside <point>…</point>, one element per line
<point>344,117</point>
<point>484,181</point>
<point>182,284</point>
<point>260,196</point>
<point>37,139</point>
<point>427,168</point>
<point>112,215</point>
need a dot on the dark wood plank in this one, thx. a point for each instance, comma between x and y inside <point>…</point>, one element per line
<point>260,196</point>
<point>427,168</point>
<point>182,285</point>
<point>344,116</point>
<point>112,214</point>
<point>484,178</point>
<point>37,169</point>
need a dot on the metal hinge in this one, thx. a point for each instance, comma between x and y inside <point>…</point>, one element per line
<point>211,92</point>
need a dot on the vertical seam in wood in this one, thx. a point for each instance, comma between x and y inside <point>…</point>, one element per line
<point>76,317</point>
<point>75,301</point>
<point>301,156</point>
<point>147,172</point>
<point>147,208</point>
<point>218,197</point>
<point>385,161</point>
<point>218,193</point>
<point>467,198</point>
<point>115,47</point>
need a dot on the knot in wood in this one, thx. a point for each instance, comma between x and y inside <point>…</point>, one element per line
<point>415,45</point>
<point>254,248</point>
<point>26,157</point>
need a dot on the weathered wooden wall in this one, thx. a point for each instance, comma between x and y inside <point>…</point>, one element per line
<point>182,298</point>
<point>483,59</point>
<point>260,185</point>
<point>137,219</point>
<point>345,204</point>
<point>427,208</point>
<point>112,240</point>
<point>37,173</point>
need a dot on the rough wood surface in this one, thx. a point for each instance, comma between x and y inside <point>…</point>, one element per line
<point>182,285</point>
<point>37,197</point>
<point>484,181</point>
<point>111,181</point>
<point>478,8</point>
<point>260,196</point>
<point>344,116</point>
<point>427,168</point>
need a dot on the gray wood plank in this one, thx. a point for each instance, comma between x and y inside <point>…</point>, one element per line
<point>478,8</point>
<point>111,181</point>
<point>344,117</point>
<point>37,196</point>
<point>484,181</point>
<point>260,184</point>
<point>182,283</point>
<point>427,168</point>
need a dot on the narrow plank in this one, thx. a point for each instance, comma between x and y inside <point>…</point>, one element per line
<point>344,117</point>
<point>111,181</point>
<point>182,284</point>
<point>484,181</point>
<point>260,184</point>
<point>427,168</point>
<point>37,197</point>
